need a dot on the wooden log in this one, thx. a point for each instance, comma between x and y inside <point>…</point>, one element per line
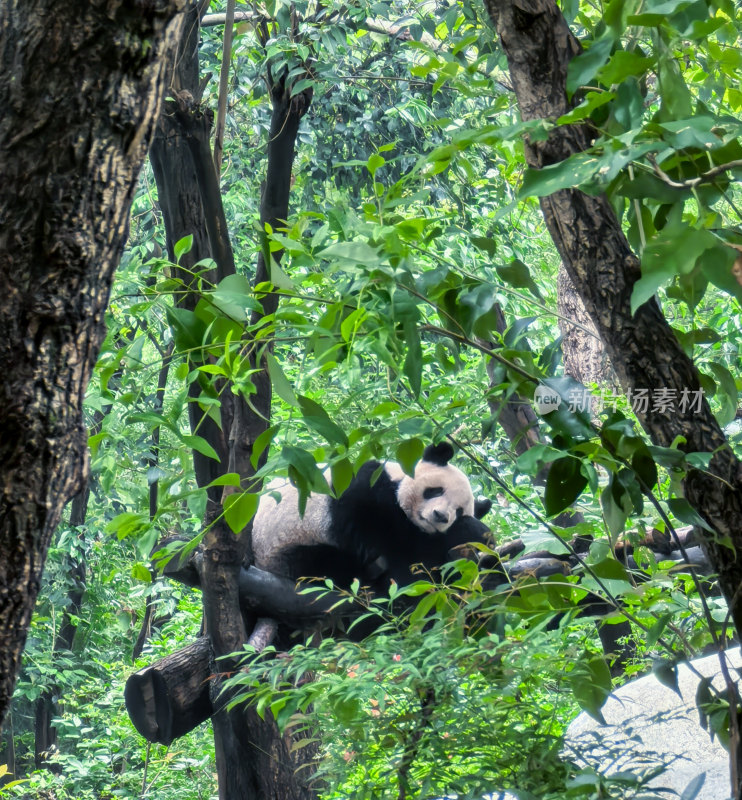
<point>263,594</point>
<point>538,567</point>
<point>169,698</point>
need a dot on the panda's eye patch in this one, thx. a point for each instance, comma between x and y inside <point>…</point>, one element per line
<point>432,491</point>
<point>459,513</point>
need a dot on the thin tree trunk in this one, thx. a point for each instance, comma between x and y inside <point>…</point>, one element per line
<point>80,90</point>
<point>253,759</point>
<point>45,736</point>
<point>153,461</point>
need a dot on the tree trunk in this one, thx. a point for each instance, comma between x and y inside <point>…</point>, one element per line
<point>80,89</point>
<point>585,358</point>
<point>642,347</point>
<point>253,760</point>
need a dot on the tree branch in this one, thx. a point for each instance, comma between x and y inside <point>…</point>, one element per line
<point>691,183</point>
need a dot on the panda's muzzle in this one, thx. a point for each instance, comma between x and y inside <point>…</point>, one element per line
<point>439,516</point>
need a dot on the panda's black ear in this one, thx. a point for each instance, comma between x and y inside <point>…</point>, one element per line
<point>481,507</point>
<point>439,454</point>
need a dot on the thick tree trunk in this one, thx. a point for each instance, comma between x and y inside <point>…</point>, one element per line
<point>643,349</point>
<point>80,89</point>
<point>223,552</point>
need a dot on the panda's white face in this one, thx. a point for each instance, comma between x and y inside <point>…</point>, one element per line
<point>436,496</point>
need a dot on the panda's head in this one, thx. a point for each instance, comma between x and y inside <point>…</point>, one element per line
<point>438,494</point>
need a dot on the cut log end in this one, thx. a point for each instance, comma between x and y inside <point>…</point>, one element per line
<point>169,698</point>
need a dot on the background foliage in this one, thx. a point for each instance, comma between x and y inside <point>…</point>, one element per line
<point>414,219</point>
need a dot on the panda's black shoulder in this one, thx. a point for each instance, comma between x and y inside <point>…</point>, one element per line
<point>367,518</point>
<point>372,487</point>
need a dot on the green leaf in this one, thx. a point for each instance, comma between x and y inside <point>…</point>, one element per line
<point>408,453</point>
<point>704,697</point>
<point>413,365</point>
<point>188,330</point>
<point>228,479</point>
<point>374,163</point>
<point>676,100</point>
<point>623,64</point>
<point>673,251</point>
<point>304,474</point>
<point>485,243</point>
<point>200,445</point>
<point>351,323</point>
<point>564,485</point>
<point>423,607</point>
<point>234,298</point>
<point>717,266</point>
<point>319,420</point>
<point>668,457</point>
<point>183,246</point>
<point>591,684</point>
<point>666,673</point>
<point>592,101</point>
<point>582,68</point>
<point>140,573</point>
<point>301,85</point>
<point>278,277</point>
<point>127,524</point>
<point>341,473</point>
<point>517,274</point>
<point>726,393</point>
<point>684,511</point>
<point>567,174</point>
<point>612,575</point>
<point>280,382</point>
<point>535,457</point>
<point>654,633</point>
<point>358,252</point>
<point>263,440</point>
<point>694,132</point>
<point>643,464</point>
<point>614,514</point>
<point>239,509</point>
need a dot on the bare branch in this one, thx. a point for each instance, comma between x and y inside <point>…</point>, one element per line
<point>223,88</point>
<point>211,20</point>
<point>691,183</point>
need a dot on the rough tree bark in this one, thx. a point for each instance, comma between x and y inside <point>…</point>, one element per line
<point>643,349</point>
<point>584,354</point>
<point>80,89</point>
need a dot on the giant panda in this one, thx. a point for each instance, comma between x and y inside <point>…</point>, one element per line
<point>384,523</point>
